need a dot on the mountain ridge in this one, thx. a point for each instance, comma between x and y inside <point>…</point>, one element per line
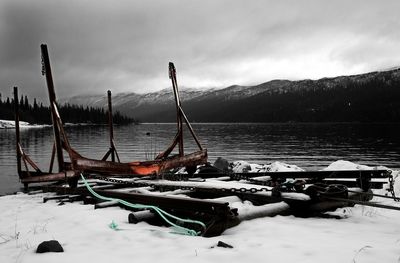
<point>251,101</point>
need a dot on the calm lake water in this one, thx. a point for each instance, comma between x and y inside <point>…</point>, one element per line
<point>310,146</point>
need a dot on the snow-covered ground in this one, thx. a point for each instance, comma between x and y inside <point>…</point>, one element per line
<point>365,234</point>
<point>5,124</point>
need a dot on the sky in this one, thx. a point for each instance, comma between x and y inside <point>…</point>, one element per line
<point>125,45</point>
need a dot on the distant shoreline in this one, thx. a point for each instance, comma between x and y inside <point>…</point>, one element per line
<point>255,123</point>
<point>10,124</point>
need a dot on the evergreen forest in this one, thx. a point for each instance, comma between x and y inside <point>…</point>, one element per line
<point>37,113</point>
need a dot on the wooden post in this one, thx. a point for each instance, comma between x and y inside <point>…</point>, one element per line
<point>191,129</point>
<point>180,116</point>
<point>111,126</point>
<point>53,154</point>
<point>172,75</point>
<point>52,98</point>
<point>17,134</point>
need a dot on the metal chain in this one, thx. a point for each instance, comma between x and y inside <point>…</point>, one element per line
<point>333,192</point>
<point>276,190</point>
<point>238,177</point>
<point>280,186</point>
<point>190,188</point>
<point>268,183</point>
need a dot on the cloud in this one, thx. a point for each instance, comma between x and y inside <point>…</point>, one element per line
<point>126,45</point>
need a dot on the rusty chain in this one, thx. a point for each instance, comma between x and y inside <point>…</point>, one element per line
<point>190,188</point>
<point>238,177</point>
<point>276,190</point>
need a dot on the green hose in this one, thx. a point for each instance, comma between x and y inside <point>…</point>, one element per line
<point>163,214</point>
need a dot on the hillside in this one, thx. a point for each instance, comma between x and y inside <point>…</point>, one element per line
<point>369,97</point>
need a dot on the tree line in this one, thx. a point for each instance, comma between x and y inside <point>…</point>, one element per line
<point>365,98</point>
<point>370,100</point>
<point>37,113</point>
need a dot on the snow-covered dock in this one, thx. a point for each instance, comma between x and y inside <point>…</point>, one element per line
<point>361,234</point>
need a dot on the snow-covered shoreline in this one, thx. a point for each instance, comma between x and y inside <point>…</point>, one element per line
<point>6,124</point>
<point>364,234</point>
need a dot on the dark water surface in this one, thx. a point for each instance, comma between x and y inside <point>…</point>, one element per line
<point>310,146</point>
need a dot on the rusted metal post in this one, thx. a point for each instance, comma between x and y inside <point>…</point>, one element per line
<point>180,117</point>
<point>172,75</point>
<point>111,126</point>
<point>191,130</point>
<point>53,153</point>
<point>17,134</point>
<point>52,98</point>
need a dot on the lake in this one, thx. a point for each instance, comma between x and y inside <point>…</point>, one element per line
<point>311,146</point>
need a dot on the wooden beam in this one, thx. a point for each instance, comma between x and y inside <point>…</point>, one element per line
<point>17,132</point>
<point>52,98</point>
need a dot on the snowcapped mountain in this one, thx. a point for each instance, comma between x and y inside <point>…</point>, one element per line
<point>276,100</point>
<point>135,100</point>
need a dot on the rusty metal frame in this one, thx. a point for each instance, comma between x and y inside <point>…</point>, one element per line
<point>17,133</point>
<point>21,155</point>
<point>178,140</point>
<point>112,150</point>
<point>69,170</point>
<point>27,175</point>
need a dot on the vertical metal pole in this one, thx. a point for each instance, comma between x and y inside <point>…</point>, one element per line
<point>17,134</point>
<point>111,126</point>
<point>53,153</point>
<point>191,130</point>
<point>52,98</point>
<point>172,75</point>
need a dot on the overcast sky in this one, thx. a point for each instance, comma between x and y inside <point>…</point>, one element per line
<point>125,46</point>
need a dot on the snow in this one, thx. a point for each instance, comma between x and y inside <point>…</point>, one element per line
<point>364,234</point>
<point>346,165</point>
<point>135,99</point>
<point>243,167</point>
<point>5,124</point>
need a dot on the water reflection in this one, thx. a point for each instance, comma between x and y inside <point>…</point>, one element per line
<point>310,146</point>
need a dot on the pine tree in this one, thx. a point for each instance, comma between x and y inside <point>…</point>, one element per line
<point>37,113</point>
<point>35,106</point>
<point>26,103</point>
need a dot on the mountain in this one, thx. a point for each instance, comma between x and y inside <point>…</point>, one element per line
<point>366,97</point>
